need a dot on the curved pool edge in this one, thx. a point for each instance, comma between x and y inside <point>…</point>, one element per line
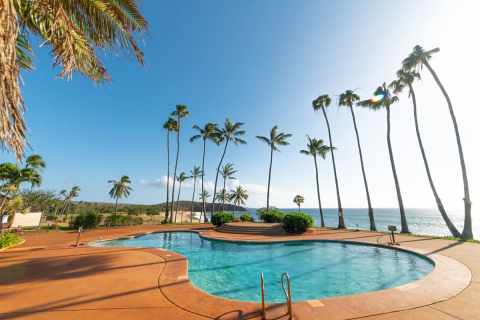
<point>174,284</point>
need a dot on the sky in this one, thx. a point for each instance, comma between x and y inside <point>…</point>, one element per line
<point>262,63</point>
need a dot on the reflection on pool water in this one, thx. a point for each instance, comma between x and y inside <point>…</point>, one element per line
<point>317,269</point>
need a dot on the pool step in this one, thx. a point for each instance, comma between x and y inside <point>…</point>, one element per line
<point>252,228</point>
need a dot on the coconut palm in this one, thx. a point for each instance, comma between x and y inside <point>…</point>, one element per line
<point>227,172</point>
<point>298,200</point>
<point>12,177</point>
<point>348,99</point>
<point>405,78</point>
<point>418,58</point>
<point>315,148</point>
<point>230,132</point>
<point>76,31</point>
<point>68,197</point>
<point>181,111</point>
<point>275,140</point>
<point>120,189</point>
<point>238,196</point>
<point>182,177</point>
<point>321,103</point>
<point>383,98</point>
<point>208,132</point>
<point>170,126</point>
<point>223,196</point>
<point>195,173</point>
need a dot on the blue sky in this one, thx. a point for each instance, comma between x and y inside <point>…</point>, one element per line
<point>262,63</point>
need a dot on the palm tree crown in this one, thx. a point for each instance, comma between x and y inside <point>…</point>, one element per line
<point>238,196</point>
<point>120,188</point>
<point>208,132</point>
<point>298,200</point>
<point>417,58</point>
<point>76,31</point>
<point>348,98</point>
<point>316,147</point>
<point>171,125</point>
<point>405,78</point>
<point>181,111</point>
<point>382,98</point>
<point>232,131</point>
<point>228,171</point>
<point>276,138</point>
<point>322,101</point>
<point>195,172</point>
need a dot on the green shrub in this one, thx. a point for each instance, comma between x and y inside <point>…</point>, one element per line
<point>297,222</point>
<point>246,217</point>
<point>220,218</point>
<point>87,220</point>
<point>8,239</point>
<point>122,220</point>
<point>272,215</point>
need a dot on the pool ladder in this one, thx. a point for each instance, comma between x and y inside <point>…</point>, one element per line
<point>285,281</point>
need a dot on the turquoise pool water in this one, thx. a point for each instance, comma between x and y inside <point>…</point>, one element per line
<point>317,269</point>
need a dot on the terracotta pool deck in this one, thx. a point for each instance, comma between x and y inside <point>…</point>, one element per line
<point>47,278</point>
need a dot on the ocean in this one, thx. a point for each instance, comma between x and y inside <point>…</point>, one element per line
<point>420,221</point>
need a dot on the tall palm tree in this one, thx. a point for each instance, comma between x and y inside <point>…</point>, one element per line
<point>76,31</point>
<point>182,177</point>
<point>227,172</point>
<point>231,131</point>
<point>383,98</point>
<point>315,147</point>
<point>348,99</point>
<point>418,58</point>
<point>238,196</point>
<point>298,200</point>
<point>195,173</point>
<point>275,140</point>
<point>170,125</point>
<point>120,189</point>
<point>321,103</point>
<point>68,198</point>
<point>208,132</point>
<point>181,111</point>
<point>405,78</point>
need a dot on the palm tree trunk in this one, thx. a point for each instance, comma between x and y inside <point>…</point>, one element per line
<point>453,230</point>
<point>467,227</point>
<point>403,217</point>
<point>322,221</point>
<point>168,177</point>
<point>115,213</point>
<point>178,199</point>
<point>216,176</point>
<point>204,211</point>
<point>269,178</point>
<point>225,191</point>
<point>176,165</point>
<point>193,198</point>
<point>371,218</point>
<point>341,221</point>
<point>298,208</point>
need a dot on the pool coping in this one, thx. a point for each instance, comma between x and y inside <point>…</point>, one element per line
<point>447,279</point>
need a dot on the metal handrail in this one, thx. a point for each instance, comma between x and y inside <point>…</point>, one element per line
<point>262,287</point>
<point>288,293</point>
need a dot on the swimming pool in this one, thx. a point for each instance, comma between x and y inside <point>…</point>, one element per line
<point>317,269</point>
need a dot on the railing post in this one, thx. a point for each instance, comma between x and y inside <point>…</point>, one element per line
<point>262,286</point>
<point>288,294</point>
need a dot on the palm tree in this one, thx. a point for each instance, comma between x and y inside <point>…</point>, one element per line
<point>383,98</point>
<point>348,99</point>
<point>204,195</point>
<point>195,173</point>
<point>223,196</point>
<point>120,189</point>
<point>68,198</point>
<point>181,179</point>
<point>298,200</point>
<point>12,177</point>
<point>406,79</point>
<point>230,132</point>
<point>170,125</point>
<point>323,102</point>
<point>315,147</point>
<point>275,140</point>
<point>76,31</point>
<point>180,112</point>
<point>208,132</point>
<point>418,58</point>
<point>238,196</point>
<point>227,172</point>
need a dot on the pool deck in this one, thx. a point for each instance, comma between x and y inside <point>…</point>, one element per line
<point>47,278</point>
